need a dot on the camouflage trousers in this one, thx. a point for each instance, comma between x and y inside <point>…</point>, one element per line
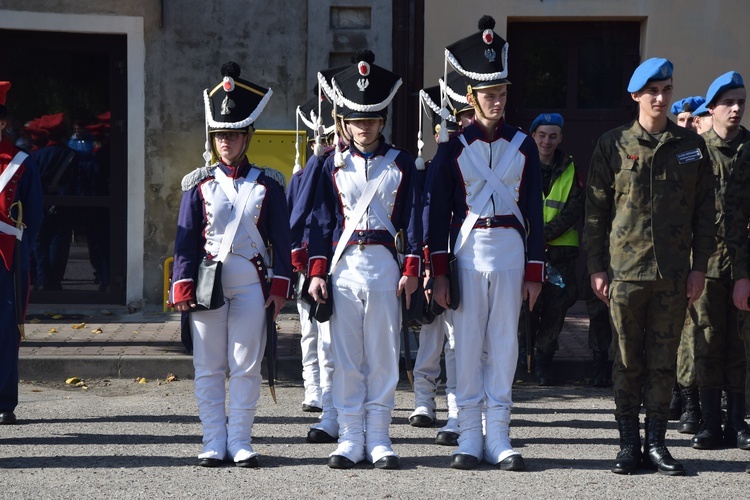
<point>719,351</point>
<point>647,320</point>
<point>548,316</point>
<point>743,325</point>
<point>686,377</point>
<point>600,330</point>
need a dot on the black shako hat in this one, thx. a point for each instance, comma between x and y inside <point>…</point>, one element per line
<point>234,103</point>
<point>364,89</point>
<point>482,58</point>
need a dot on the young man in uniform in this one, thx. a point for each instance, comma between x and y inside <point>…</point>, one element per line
<point>563,207</point>
<point>712,321</point>
<point>483,206</point>
<point>702,119</point>
<point>21,192</point>
<point>365,220</point>
<point>315,342</point>
<point>649,209</point>
<point>683,110</point>
<point>684,405</point>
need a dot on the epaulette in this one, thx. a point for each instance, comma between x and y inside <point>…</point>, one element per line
<point>196,176</point>
<point>275,175</point>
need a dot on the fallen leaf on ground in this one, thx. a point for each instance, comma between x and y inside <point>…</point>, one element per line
<point>171,377</point>
<point>72,380</point>
<point>35,320</point>
<point>57,316</point>
<point>141,380</point>
<point>96,330</point>
<point>81,384</point>
<point>53,330</point>
<point>79,326</point>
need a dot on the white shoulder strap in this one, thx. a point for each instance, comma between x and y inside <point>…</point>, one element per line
<point>365,199</point>
<point>239,200</point>
<point>5,178</point>
<point>493,184</point>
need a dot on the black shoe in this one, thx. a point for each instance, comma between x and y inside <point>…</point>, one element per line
<point>421,421</point>
<point>311,408</point>
<point>655,453</point>
<point>627,461</point>
<point>675,404</point>
<point>319,436</point>
<point>513,462</point>
<point>691,418</point>
<point>250,463</point>
<point>464,462</point>
<point>602,370</point>
<point>447,438</point>
<point>340,462</point>
<point>390,462</point>
<point>7,418</point>
<point>210,462</point>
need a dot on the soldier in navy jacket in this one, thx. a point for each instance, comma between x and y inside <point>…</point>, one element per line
<point>360,242</point>
<point>21,192</point>
<point>253,277</point>
<point>483,205</point>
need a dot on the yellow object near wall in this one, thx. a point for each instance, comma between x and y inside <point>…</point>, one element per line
<point>275,149</point>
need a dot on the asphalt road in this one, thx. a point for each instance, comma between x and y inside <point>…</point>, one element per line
<point>120,439</point>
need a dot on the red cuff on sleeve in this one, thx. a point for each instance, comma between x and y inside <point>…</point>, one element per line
<point>534,272</point>
<point>412,265</point>
<point>299,259</point>
<point>281,286</point>
<point>439,262</point>
<point>183,290</point>
<point>318,267</point>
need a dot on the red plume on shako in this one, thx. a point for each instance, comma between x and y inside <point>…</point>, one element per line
<point>364,68</point>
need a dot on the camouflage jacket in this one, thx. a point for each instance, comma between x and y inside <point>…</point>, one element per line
<point>649,207</point>
<point>737,212</point>
<point>723,158</point>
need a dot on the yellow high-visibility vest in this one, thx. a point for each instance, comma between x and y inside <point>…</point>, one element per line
<point>555,201</point>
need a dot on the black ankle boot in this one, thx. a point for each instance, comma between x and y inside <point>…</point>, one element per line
<point>544,368</point>
<point>736,431</point>
<point>602,371</point>
<point>709,434</point>
<point>691,418</point>
<point>675,404</point>
<point>629,457</point>
<point>655,452</point>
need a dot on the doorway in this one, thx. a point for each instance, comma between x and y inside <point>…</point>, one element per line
<point>69,92</point>
<point>578,69</point>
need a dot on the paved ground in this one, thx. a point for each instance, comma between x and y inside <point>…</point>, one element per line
<point>96,342</point>
<point>122,440</point>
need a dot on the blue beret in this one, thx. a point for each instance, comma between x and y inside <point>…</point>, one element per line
<point>655,68</point>
<point>727,81</point>
<point>687,104</point>
<point>547,119</point>
<point>702,110</point>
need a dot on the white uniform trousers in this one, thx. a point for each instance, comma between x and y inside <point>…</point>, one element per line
<point>230,339</point>
<point>309,347</point>
<point>432,337</point>
<point>365,339</point>
<point>486,320</point>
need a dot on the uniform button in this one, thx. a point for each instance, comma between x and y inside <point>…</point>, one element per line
<point>254,245</point>
<point>468,194</point>
<point>518,178</point>
<point>359,242</point>
<point>390,204</point>
<point>346,217</point>
<point>516,189</point>
<point>209,214</point>
<point>469,207</point>
<point>342,195</point>
<point>209,243</point>
<point>255,217</point>
<point>394,193</point>
<point>466,183</point>
<point>516,200</point>
<point>361,233</point>
<point>257,206</point>
<point>389,216</point>
<point>258,262</point>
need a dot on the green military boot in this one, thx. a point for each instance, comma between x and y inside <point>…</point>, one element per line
<point>675,404</point>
